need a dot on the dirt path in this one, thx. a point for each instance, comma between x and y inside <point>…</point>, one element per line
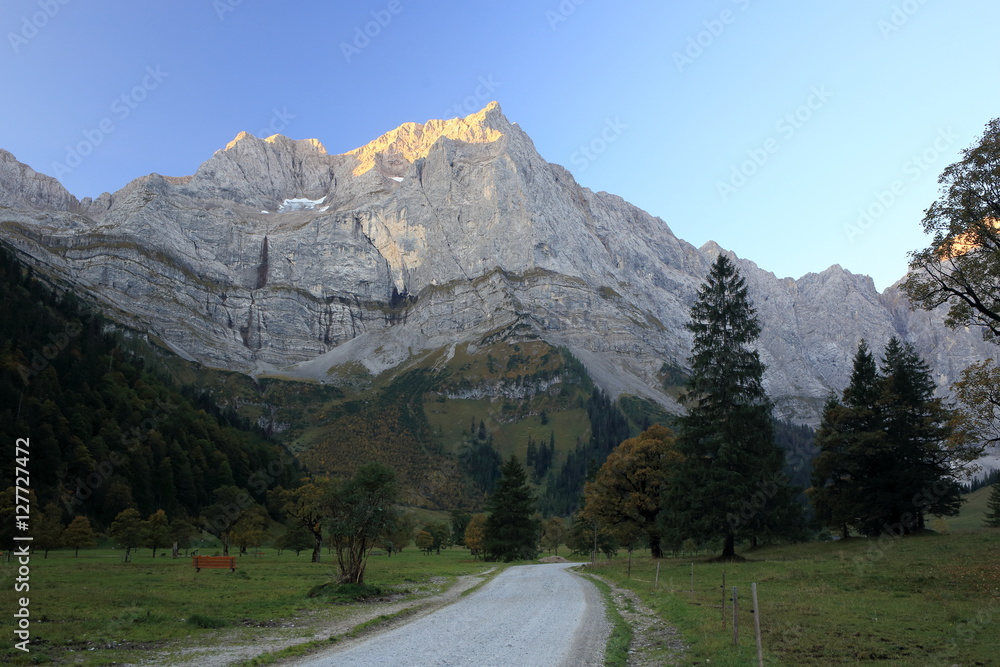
<point>235,645</point>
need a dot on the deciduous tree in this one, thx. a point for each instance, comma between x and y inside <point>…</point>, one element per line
<point>627,494</point>
<point>306,505</point>
<point>127,530</point>
<point>978,391</point>
<point>397,535</point>
<point>475,533</point>
<point>553,534</point>
<point>157,531</point>
<point>48,533</point>
<point>961,266</point>
<point>359,510</point>
<point>79,535</point>
<point>424,541</point>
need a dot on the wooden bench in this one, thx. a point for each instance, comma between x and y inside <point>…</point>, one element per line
<point>214,562</point>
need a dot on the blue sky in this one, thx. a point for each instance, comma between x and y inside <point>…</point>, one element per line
<point>768,127</point>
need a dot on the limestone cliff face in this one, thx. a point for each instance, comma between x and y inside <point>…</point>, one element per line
<point>278,257</point>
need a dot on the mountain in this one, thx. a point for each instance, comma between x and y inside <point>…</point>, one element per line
<point>276,258</point>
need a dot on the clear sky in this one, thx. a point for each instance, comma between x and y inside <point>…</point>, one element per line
<point>764,126</point>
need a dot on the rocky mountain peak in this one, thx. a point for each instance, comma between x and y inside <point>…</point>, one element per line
<point>277,257</point>
<point>281,141</point>
<point>23,187</point>
<point>396,149</point>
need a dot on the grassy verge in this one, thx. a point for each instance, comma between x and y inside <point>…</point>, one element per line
<point>620,639</point>
<point>923,600</point>
<point>96,610</point>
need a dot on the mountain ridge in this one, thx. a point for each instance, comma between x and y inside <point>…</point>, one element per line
<point>429,236</point>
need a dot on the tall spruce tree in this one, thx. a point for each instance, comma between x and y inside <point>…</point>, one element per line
<point>511,532</point>
<point>851,444</point>
<point>918,427</point>
<point>884,464</point>
<point>731,485</point>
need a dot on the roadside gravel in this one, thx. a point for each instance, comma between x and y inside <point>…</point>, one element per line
<point>227,647</point>
<point>528,615</point>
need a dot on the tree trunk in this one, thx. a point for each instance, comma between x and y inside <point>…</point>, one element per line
<point>654,546</point>
<point>729,549</point>
<point>317,549</point>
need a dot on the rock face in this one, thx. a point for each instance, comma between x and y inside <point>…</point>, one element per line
<point>432,235</point>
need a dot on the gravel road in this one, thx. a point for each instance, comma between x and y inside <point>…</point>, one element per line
<point>528,615</point>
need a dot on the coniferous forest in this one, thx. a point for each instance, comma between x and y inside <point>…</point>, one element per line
<point>109,430</point>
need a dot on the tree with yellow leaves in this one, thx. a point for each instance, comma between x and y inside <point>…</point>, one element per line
<point>626,495</point>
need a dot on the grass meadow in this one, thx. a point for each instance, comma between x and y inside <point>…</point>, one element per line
<point>932,599</point>
<point>97,610</point>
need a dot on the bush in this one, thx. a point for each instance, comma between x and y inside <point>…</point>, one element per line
<point>206,622</point>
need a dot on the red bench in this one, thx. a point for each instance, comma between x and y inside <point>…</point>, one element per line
<point>214,562</point>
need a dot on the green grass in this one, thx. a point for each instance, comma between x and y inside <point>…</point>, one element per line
<point>973,514</point>
<point>620,639</point>
<point>924,600</point>
<point>93,609</point>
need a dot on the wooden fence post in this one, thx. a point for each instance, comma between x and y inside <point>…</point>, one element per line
<point>723,599</point>
<point>756,624</point>
<point>736,618</point>
<point>656,584</point>
<point>692,579</point>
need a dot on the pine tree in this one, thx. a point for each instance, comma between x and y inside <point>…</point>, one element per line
<point>884,465</point>
<point>849,440</point>
<point>731,485</point>
<point>511,532</point>
<point>917,426</point>
<point>993,507</point>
